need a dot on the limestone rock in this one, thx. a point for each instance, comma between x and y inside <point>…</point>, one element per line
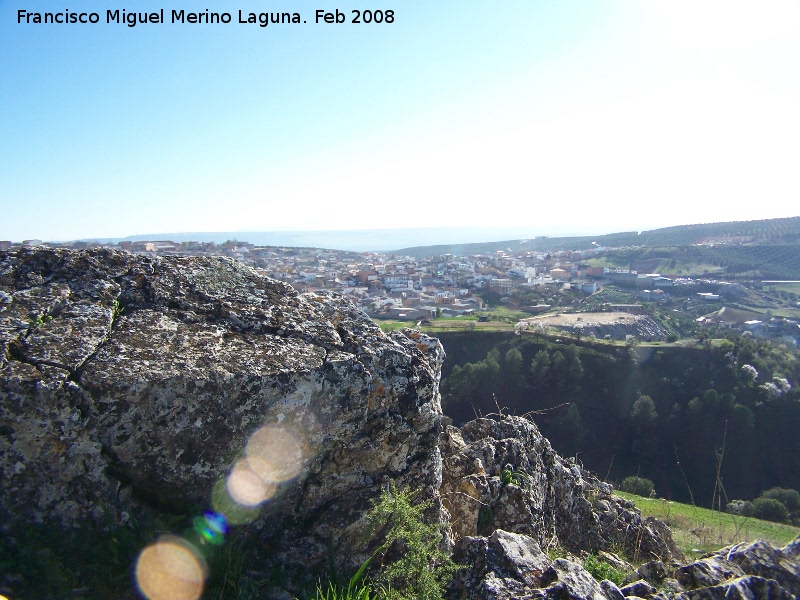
<point>566,579</point>
<point>611,590</point>
<point>707,572</point>
<point>501,566</point>
<point>743,588</point>
<point>640,589</point>
<point>130,382</point>
<point>745,570</point>
<point>549,498</point>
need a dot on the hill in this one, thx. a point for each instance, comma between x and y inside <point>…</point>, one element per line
<point>769,231</point>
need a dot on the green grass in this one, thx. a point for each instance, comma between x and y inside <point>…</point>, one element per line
<point>792,288</point>
<point>389,326</point>
<point>447,324</point>
<point>694,528</point>
<point>791,313</point>
<point>669,266</point>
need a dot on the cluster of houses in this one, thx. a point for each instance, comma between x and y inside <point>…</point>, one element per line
<point>406,288</point>
<point>386,285</point>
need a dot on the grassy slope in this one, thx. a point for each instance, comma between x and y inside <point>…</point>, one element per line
<point>446,324</point>
<point>699,529</point>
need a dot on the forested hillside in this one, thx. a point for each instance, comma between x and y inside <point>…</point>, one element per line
<point>639,410</point>
<point>768,231</point>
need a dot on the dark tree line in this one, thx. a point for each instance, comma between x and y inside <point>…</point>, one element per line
<point>642,410</point>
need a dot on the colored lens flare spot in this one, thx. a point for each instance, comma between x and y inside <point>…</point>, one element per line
<point>280,450</point>
<point>170,570</point>
<point>246,487</point>
<point>211,527</point>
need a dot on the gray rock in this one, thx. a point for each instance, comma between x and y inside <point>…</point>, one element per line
<point>615,561</point>
<point>670,587</point>
<point>550,499</point>
<point>707,572</point>
<point>743,588</point>
<point>566,579</point>
<point>503,565</point>
<point>792,550</point>
<point>653,572</point>
<point>762,559</point>
<point>129,383</point>
<point>611,590</point>
<point>640,588</point>
<point>749,568</point>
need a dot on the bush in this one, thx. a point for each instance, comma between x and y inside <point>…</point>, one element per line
<point>788,497</point>
<point>424,569</point>
<point>743,508</point>
<point>637,485</point>
<point>770,509</point>
<point>602,570</point>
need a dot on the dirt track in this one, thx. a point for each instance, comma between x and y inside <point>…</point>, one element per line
<point>602,324</point>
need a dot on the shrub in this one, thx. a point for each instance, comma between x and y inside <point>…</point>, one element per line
<point>743,508</point>
<point>770,509</point>
<point>637,485</point>
<point>788,497</point>
<point>424,569</point>
<point>602,570</point>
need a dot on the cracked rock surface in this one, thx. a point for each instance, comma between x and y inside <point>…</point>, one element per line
<point>553,500</point>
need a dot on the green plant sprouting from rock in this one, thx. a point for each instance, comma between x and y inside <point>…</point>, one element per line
<point>509,475</point>
<point>423,569</point>
<point>600,570</point>
<point>39,320</point>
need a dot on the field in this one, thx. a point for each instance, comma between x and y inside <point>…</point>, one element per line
<point>699,530</point>
<point>445,324</point>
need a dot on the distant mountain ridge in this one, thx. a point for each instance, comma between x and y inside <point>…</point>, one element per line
<point>360,240</point>
<point>478,240</point>
<point>767,231</point>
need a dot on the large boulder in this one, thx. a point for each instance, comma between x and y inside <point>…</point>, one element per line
<point>129,383</point>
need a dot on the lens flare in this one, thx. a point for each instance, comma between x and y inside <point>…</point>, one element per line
<point>211,527</point>
<point>224,504</point>
<point>278,450</point>
<point>170,570</point>
<point>246,487</point>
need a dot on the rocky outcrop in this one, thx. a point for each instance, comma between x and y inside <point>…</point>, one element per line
<point>748,570</point>
<point>131,382</point>
<point>542,495</point>
<point>508,566</point>
<point>135,385</point>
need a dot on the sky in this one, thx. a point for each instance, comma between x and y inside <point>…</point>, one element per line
<point>596,115</point>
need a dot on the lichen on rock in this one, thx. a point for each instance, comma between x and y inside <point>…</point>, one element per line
<point>150,375</point>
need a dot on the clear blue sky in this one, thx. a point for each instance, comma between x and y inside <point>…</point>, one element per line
<point>623,114</point>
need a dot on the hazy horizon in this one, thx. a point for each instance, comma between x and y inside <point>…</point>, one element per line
<point>365,240</point>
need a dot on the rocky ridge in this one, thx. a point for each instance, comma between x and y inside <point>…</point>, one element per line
<point>133,385</point>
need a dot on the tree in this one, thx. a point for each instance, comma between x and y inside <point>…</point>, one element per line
<point>540,368</point>
<point>637,485</point>
<point>770,509</point>
<point>788,497</point>
<point>513,376</point>
<point>644,411</point>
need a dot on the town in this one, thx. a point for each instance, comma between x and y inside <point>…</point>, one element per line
<point>396,288</point>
